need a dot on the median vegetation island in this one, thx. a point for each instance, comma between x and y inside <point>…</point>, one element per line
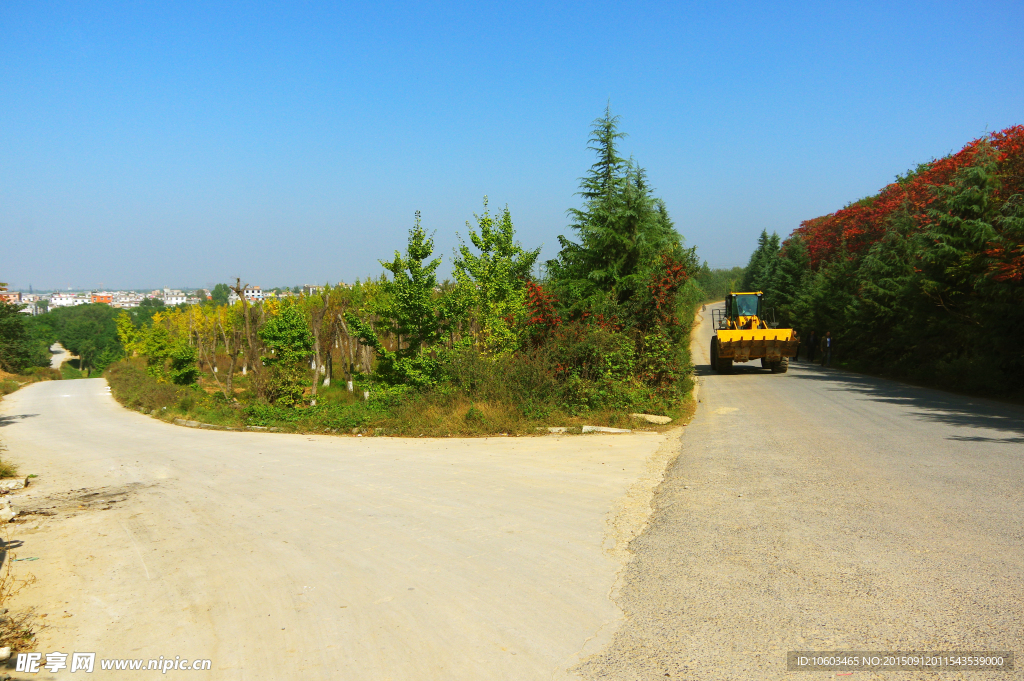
<point>603,333</point>
<point>922,281</point>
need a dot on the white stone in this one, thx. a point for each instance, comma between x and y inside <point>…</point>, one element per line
<point>653,418</point>
<point>604,429</point>
<point>9,484</point>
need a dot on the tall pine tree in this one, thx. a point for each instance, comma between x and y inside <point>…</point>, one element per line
<point>621,231</point>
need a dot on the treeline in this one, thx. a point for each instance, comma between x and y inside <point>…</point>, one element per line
<point>924,280</point>
<point>715,283</point>
<point>604,332</point>
<point>88,331</point>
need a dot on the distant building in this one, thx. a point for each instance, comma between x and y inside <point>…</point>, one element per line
<point>253,294</point>
<point>104,297</point>
<point>127,299</point>
<point>13,297</point>
<point>310,289</point>
<point>69,299</point>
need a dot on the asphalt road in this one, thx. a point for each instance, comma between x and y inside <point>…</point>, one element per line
<point>825,510</point>
<point>60,355</point>
<point>313,557</point>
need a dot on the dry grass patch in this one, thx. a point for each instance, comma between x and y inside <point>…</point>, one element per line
<point>17,629</point>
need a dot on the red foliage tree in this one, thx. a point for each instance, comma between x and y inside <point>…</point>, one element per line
<point>541,307</point>
<point>863,223</point>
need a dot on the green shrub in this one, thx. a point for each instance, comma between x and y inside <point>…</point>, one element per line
<point>184,367</point>
<point>133,387</point>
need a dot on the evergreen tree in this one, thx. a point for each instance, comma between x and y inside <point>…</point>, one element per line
<point>622,231</point>
<point>761,270</point>
<point>411,310</point>
<point>788,280</point>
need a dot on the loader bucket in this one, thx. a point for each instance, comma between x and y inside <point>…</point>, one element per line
<point>768,344</point>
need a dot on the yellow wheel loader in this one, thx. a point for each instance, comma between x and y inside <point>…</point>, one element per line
<point>742,333</point>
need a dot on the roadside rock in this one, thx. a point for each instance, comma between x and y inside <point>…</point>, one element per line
<point>11,484</point>
<point>604,429</point>
<point>6,512</point>
<point>653,418</point>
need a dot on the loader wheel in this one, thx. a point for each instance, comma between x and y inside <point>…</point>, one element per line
<point>722,366</point>
<point>765,364</point>
<point>780,367</point>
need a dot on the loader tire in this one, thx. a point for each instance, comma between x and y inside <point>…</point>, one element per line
<point>780,367</point>
<point>722,366</point>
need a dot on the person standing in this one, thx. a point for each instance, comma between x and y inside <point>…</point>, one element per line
<point>812,345</point>
<point>826,349</point>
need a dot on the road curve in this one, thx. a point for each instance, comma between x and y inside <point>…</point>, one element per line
<point>59,355</point>
<point>314,557</point>
<point>825,510</point>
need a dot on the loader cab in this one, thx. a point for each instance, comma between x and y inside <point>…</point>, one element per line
<point>745,310</point>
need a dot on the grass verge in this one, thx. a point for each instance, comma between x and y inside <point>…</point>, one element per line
<point>487,398</point>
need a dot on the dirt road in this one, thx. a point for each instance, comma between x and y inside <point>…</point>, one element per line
<point>302,557</point>
<point>823,510</point>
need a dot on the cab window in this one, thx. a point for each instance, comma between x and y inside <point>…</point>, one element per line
<point>745,306</point>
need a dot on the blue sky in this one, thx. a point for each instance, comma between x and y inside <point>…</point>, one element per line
<point>181,144</point>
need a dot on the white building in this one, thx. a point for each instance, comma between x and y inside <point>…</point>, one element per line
<point>253,294</point>
<point>127,299</point>
<point>69,299</point>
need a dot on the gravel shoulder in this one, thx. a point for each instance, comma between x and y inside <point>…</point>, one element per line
<point>823,510</point>
<point>315,557</point>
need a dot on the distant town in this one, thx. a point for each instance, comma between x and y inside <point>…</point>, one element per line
<point>39,303</point>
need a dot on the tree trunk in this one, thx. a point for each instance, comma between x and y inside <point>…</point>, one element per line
<point>232,350</point>
<point>351,360</point>
<point>252,354</point>
<point>317,322</point>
